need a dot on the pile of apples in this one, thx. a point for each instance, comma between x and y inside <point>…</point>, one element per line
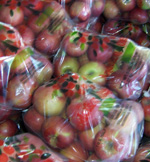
<point>72,74</point>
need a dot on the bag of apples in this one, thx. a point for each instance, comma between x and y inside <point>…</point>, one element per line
<point>84,121</point>
<point>127,19</point>
<point>90,111</point>
<point>20,73</point>
<point>84,13</point>
<point>42,24</point>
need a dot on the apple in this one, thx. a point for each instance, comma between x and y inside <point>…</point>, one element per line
<point>47,42</point>
<point>94,71</point>
<point>143,40</point>
<point>30,148</point>
<point>10,38</point>
<point>57,132</point>
<point>65,64</point>
<point>33,120</point>
<point>124,88</point>
<point>1,53</point>
<point>139,16</point>
<point>5,109</point>
<point>143,4</point>
<point>27,34</point>
<point>113,27</point>
<point>8,128</point>
<point>97,7</point>
<point>100,52</point>
<point>142,153</point>
<point>75,152</point>
<point>126,5</point>
<point>80,11</point>
<point>43,68</point>
<point>136,107</point>
<point>133,146</point>
<point>74,43</point>
<point>97,27</point>
<point>132,31</point>
<point>145,101</point>
<point>83,59</point>
<point>11,16</point>
<point>53,9</point>
<point>123,118</point>
<point>83,113</point>
<point>87,137</point>
<point>48,99</point>
<point>93,157</point>
<point>33,7</point>
<point>146,128</point>
<point>111,9</point>
<point>111,144</point>
<point>38,22</point>
<point>20,90</point>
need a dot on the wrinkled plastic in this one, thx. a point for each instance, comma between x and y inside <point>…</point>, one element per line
<point>84,14</point>
<point>41,24</point>
<point>116,62</point>
<point>85,121</point>
<point>27,148</point>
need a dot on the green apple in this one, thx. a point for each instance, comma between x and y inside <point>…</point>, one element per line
<point>94,71</point>
<point>143,4</point>
<point>48,100</point>
<point>65,64</point>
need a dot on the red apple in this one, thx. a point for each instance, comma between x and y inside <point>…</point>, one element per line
<point>10,38</point>
<point>20,90</point>
<point>47,42</point>
<point>123,87</point>
<point>147,128</point>
<point>143,40</point>
<point>142,153</point>
<point>48,100</point>
<point>113,27</point>
<point>75,152</point>
<point>136,107</point>
<point>11,16</point>
<point>38,22</point>
<point>87,137</point>
<point>111,144</point>
<point>145,101</point>
<point>43,68</point>
<point>126,5</point>
<point>111,9</point>
<point>93,157</point>
<point>100,52</point>
<point>8,128</point>
<point>33,120</point>
<point>75,44</point>
<point>139,16</point>
<point>57,132</point>
<point>97,7</point>
<point>5,109</point>
<point>1,53</point>
<point>79,11</point>
<point>33,7</point>
<point>29,148</point>
<point>84,113</point>
<point>27,34</point>
<point>124,119</point>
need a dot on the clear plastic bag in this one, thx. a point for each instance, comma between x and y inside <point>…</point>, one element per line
<point>27,148</point>
<point>84,121</point>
